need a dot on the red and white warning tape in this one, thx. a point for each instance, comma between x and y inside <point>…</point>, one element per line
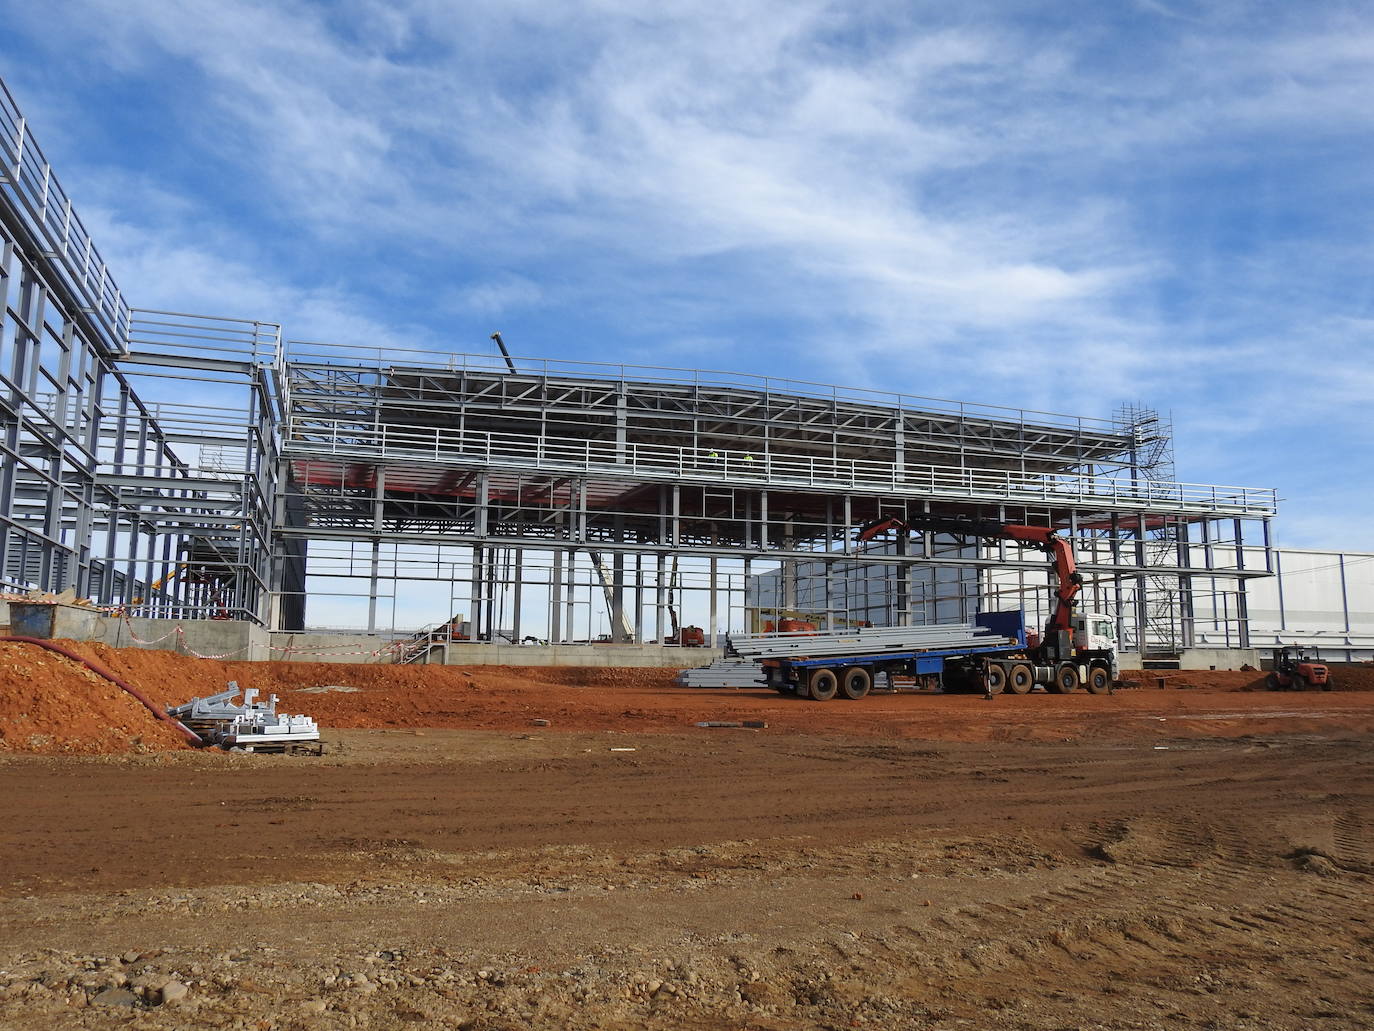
<point>286,649</point>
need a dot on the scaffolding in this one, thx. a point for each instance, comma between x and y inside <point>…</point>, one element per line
<point>185,466</point>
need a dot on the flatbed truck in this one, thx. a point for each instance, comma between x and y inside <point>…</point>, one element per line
<point>828,664</point>
<point>994,654</point>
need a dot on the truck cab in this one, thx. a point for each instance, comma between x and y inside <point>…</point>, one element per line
<point>1096,633</point>
<point>1093,631</point>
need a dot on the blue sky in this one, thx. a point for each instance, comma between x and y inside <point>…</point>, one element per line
<point>1053,204</point>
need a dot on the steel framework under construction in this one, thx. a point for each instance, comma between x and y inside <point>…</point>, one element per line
<point>184,466</point>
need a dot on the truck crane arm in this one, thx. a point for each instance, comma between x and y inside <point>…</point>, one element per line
<point>1070,580</point>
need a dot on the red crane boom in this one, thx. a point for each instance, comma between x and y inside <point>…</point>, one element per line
<point>1070,580</point>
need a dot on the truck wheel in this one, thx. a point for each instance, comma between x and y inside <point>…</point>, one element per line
<point>824,684</point>
<point>1271,682</point>
<point>1329,683</point>
<point>994,679</point>
<point>1099,680</point>
<point>1065,679</point>
<point>1020,679</point>
<point>855,682</point>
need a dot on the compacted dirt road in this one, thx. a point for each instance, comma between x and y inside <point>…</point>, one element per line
<point>1161,858</point>
<point>722,880</point>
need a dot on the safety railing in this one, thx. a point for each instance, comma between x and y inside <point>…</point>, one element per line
<point>401,444</point>
<point>389,361</point>
<point>29,187</point>
<point>196,338</point>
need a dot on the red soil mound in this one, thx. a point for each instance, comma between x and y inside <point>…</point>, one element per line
<point>50,704</point>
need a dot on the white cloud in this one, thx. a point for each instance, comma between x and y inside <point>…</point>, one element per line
<point>963,203</point>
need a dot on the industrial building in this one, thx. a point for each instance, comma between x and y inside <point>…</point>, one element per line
<point>187,468</point>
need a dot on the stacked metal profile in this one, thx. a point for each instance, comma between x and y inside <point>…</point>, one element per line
<point>866,641</point>
<point>722,673</point>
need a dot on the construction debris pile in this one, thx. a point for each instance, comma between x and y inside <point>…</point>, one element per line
<point>41,597</point>
<point>251,726</point>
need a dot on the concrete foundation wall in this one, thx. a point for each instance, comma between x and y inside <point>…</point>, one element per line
<point>49,621</point>
<point>351,648</point>
<point>637,655</point>
<point>233,640</point>
<point>210,638</point>
<point>1201,658</point>
<point>1221,658</point>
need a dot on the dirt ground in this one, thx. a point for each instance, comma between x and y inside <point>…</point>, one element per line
<point>1199,856</point>
<point>49,704</point>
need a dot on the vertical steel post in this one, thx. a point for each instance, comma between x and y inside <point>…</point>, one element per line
<point>714,622</point>
<point>1242,601</point>
<point>556,597</point>
<point>517,593</point>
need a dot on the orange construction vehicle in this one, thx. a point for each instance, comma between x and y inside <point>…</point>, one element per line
<point>1294,671</point>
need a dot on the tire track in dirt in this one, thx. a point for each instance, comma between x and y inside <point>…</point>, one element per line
<point>1177,879</point>
<point>1354,842</point>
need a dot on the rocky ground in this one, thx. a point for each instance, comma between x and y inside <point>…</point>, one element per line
<point>723,879</point>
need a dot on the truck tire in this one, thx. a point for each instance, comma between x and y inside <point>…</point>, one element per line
<point>1271,682</point>
<point>1099,680</point>
<point>1065,679</point>
<point>855,682</point>
<point>1020,679</point>
<point>994,678</point>
<point>824,684</point>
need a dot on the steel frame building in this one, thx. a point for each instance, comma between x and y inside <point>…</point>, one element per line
<point>184,466</point>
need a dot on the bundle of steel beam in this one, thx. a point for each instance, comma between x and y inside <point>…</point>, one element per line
<point>722,673</point>
<point>868,641</point>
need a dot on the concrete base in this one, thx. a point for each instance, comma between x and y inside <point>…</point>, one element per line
<point>1219,658</point>
<point>465,653</point>
<point>210,638</point>
<point>48,620</point>
<point>351,648</point>
<point>239,641</point>
<point>1201,658</point>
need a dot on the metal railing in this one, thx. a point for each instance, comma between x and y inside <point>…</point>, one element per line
<point>174,333</point>
<point>403,445</point>
<point>392,360</point>
<point>46,212</point>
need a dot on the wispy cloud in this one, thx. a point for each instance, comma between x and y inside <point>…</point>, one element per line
<point>1002,202</point>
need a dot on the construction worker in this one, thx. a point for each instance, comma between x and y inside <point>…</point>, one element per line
<point>749,460</point>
